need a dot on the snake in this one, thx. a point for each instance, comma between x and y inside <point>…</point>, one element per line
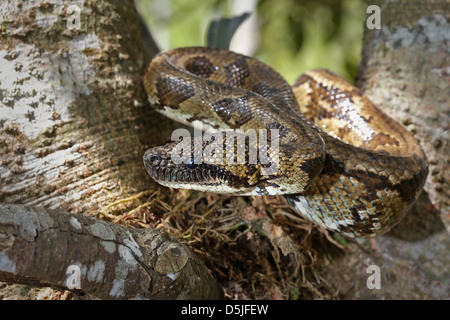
<point>337,159</point>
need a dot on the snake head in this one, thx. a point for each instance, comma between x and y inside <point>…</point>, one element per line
<point>181,165</point>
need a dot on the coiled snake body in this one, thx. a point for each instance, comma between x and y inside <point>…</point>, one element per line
<point>340,161</point>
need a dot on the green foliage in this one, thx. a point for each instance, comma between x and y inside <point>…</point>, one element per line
<point>312,34</point>
<point>295,35</point>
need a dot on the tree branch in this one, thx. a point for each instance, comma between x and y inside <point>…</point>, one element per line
<point>106,261</point>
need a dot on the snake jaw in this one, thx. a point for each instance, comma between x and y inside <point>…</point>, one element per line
<point>160,166</point>
<point>198,176</point>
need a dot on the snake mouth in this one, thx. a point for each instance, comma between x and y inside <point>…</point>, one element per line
<point>190,175</point>
<point>161,168</point>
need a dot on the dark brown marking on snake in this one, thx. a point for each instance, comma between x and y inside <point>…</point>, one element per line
<point>301,126</point>
<point>264,90</point>
<point>364,227</point>
<point>282,130</point>
<point>173,91</point>
<point>237,72</point>
<point>343,131</point>
<point>331,166</point>
<point>317,112</point>
<point>312,168</point>
<point>381,139</point>
<point>195,118</point>
<point>406,188</point>
<point>269,93</point>
<point>234,112</point>
<point>233,180</point>
<point>268,182</point>
<point>200,66</point>
<point>338,100</point>
<point>287,150</point>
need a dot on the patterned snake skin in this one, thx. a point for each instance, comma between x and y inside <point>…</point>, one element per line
<point>339,160</point>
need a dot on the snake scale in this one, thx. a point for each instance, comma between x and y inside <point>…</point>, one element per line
<point>340,161</point>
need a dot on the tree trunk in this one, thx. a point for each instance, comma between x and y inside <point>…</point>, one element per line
<point>75,124</point>
<point>74,114</point>
<point>405,70</point>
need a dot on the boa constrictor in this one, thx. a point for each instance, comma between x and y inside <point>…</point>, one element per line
<point>340,161</point>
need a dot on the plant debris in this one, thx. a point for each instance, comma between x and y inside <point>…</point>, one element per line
<point>256,247</point>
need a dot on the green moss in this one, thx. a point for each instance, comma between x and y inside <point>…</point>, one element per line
<point>24,290</point>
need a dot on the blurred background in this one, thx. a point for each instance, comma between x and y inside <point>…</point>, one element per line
<point>290,35</point>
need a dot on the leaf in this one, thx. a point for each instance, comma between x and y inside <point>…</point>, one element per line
<point>221,31</point>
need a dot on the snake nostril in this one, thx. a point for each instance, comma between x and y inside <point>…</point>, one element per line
<point>153,160</point>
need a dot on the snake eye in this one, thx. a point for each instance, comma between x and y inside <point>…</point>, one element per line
<point>190,164</point>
